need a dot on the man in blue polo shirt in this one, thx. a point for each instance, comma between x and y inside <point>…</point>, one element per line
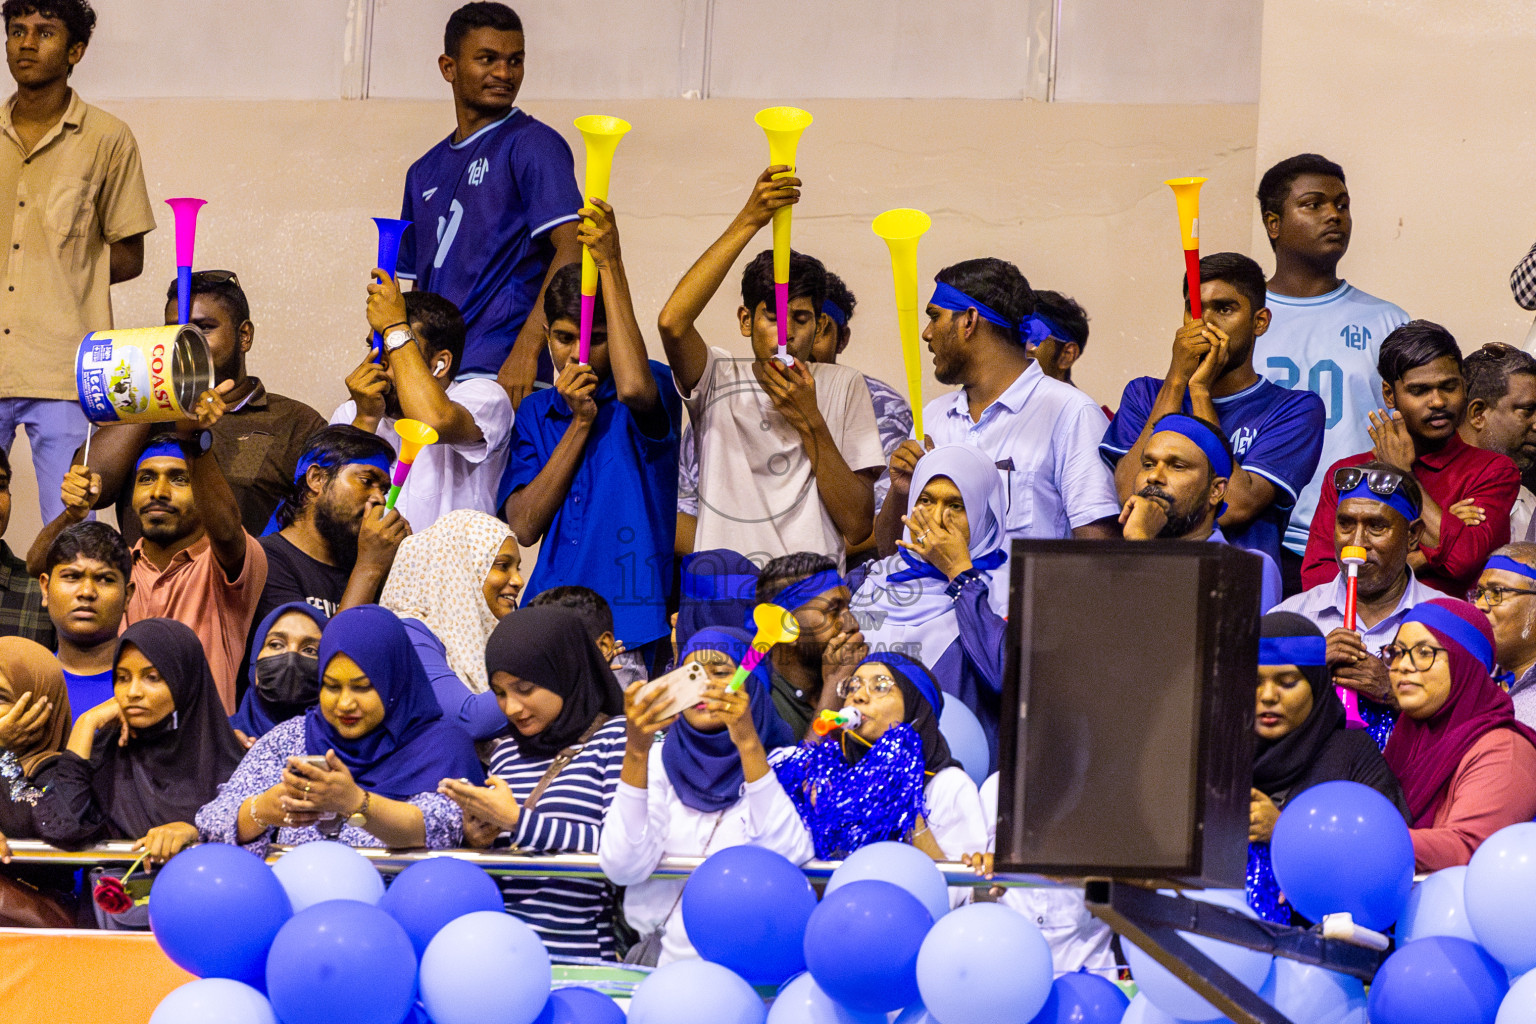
<point>593,470</point>
<point>493,206</point>
<point>1276,434</point>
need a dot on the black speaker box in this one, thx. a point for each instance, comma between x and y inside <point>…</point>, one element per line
<point>1126,735</point>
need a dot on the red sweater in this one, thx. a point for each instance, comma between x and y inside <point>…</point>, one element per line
<point>1454,473</point>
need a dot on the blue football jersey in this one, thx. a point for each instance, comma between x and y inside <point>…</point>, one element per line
<point>481,211</point>
<point>1274,432</point>
<point>1328,345</point>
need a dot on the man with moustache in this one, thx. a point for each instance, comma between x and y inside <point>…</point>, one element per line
<point>1180,491</point>
<point>1504,593</point>
<point>1422,385</point>
<point>336,543</point>
<point>1501,417</point>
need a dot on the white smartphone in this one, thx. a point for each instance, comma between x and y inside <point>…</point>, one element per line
<point>685,686</point>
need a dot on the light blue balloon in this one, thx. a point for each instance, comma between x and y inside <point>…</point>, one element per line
<point>1143,1011</point>
<point>1501,896</point>
<point>695,992</point>
<point>905,867</point>
<point>1519,1007</point>
<point>917,1013</point>
<point>1437,906</point>
<point>317,872</point>
<point>1173,996</point>
<point>1304,992</point>
<point>803,1002</point>
<point>485,966</point>
<point>214,1001</point>
<point>966,738</point>
<point>984,962</point>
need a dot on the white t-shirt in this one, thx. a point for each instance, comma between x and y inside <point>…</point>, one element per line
<point>446,477</point>
<point>1077,938</point>
<point>1328,344</point>
<point>644,825</point>
<point>757,494</point>
<point>1044,436</point>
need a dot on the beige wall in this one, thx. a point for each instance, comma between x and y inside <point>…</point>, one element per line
<point>1072,193</point>
<point>1429,107</point>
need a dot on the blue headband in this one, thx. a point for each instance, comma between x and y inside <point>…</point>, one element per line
<point>835,311</point>
<point>1396,500</point>
<point>1208,441</point>
<point>1037,328</point>
<point>1503,564</point>
<point>915,672</point>
<point>319,458</point>
<point>164,446</point>
<point>797,594</point>
<point>949,297</point>
<point>1301,651</point>
<point>1456,629</point>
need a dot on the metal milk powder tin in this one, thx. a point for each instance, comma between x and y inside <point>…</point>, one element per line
<point>143,374</point>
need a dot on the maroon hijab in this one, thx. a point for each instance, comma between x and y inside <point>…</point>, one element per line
<point>1425,755</point>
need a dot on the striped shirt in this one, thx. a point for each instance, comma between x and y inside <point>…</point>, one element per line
<point>574,916</point>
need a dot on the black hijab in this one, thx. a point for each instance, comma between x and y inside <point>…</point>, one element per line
<point>549,647</point>
<point>1278,765</point>
<point>922,701</point>
<point>171,769</point>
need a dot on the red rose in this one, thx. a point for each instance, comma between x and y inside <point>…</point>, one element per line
<point>111,897</point>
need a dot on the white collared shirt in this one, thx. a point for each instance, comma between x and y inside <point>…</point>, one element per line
<point>1324,605</point>
<point>1044,436</point>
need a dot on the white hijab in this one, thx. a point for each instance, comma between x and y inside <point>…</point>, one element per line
<point>439,578</point>
<point>915,616</point>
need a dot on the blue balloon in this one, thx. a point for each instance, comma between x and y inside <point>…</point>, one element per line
<point>802,1001</point>
<point>1436,980</point>
<point>430,893</point>
<point>1083,998</point>
<point>1519,1007</point>
<point>213,1001</point>
<point>577,1005</point>
<point>1144,1011</point>
<point>695,992</point>
<point>1343,847</point>
<point>903,866</point>
<point>1174,997</point>
<point>862,942</point>
<point>485,966</point>
<point>1304,992</point>
<point>746,909</point>
<point>1437,906</point>
<point>966,738</point>
<point>1501,896</point>
<point>322,871</point>
<point>984,962</point>
<point>341,962</point>
<point>215,911</point>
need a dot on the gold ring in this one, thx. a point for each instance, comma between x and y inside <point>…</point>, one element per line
<point>306,787</point>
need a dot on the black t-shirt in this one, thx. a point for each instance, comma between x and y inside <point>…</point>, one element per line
<point>294,576</point>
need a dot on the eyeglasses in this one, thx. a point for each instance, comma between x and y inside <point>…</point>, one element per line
<point>1421,655</point>
<point>1493,595</point>
<point>876,685</point>
<point>1384,482</point>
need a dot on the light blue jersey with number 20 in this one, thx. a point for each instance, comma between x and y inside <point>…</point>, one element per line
<point>1328,345</point>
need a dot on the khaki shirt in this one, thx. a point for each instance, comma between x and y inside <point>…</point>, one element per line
<point>80,190</point>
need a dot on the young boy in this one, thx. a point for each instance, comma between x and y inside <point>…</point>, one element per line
<point>87,581</point>
<point>598,618</point>
<point>593,470</point>
<point>417,377</point>
<point>1275,433</point>
<point>1422,386</point>
<point>788,452</point>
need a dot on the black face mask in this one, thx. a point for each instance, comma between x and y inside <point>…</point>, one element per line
<point>290,679</point>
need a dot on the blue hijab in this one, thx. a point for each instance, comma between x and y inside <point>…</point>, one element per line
<point>413,749</point>
<point>705,767</point>
<point>256,717</point>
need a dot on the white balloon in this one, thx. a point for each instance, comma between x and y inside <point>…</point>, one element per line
<point>214,1001</point>
<point>317,872</point>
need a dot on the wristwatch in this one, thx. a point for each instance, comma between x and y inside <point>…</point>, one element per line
<point>200,443</point>
<point>359,817</point>
<point>398,335</point>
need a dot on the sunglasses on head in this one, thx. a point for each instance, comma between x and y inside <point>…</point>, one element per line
<point>1384,482</point>
<point>207,277</point>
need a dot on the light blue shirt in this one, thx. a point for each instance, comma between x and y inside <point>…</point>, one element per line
<point>1328,344</point>
<point>1044,436</point>
<point>1270,590</point>
<point>1324,605</point>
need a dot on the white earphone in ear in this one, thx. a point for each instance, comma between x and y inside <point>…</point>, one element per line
<point>442,364</point>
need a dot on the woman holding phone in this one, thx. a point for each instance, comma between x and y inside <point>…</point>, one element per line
<point>362,766</point>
